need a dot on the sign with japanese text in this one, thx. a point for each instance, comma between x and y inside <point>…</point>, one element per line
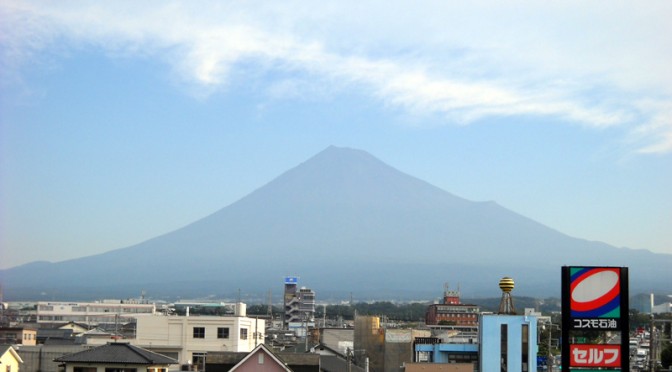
<point>595,355</point>
<point>594,302</point>
<point>605,324</point>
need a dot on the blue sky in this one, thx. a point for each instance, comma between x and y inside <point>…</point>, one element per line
<point>122,121</point>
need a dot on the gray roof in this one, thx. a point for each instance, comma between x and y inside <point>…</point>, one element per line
<point>332,363</point>
<point>4,348</point>
<point>117,352</point>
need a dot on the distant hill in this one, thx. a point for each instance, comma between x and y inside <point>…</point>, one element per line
<point>344,222</point>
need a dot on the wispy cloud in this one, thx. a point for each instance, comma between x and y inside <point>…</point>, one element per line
<point>599,67</point>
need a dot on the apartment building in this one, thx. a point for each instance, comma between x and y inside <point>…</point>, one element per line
<point>188,339</point>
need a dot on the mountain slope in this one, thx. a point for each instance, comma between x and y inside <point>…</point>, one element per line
<point>344,221</point>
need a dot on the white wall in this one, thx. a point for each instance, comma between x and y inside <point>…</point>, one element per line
<point>176,333</point>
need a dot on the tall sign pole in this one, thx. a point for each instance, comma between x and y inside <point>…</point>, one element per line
<point>595,301</point>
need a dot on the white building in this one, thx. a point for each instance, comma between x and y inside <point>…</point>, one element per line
<point>189,338</point>
<point>663,308</point>
<point>92,313</point>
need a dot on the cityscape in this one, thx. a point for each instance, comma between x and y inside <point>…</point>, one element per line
<point>304,334</point>
<point>379,186</point>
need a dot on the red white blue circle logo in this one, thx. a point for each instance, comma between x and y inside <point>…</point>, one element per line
<point>595,292</point>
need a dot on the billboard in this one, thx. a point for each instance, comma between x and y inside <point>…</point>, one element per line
<point>595,297</point>
<point>594,302</point>
<point>291,279</point>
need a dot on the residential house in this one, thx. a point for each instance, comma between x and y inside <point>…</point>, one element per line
<point>261,358</point>
<point>10,361</point>
<point>117,356</point>
<point>18,335</point>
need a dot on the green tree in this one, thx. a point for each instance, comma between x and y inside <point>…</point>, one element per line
<point>666,356</point>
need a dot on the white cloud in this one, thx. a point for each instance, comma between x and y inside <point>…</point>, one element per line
<point>577,62</point>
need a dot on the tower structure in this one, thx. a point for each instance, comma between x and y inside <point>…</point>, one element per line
<point>299,306</point>
<point>506,305</point>
<point>290,298</point>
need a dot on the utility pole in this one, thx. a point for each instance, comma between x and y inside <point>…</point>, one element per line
<point>652,354</point>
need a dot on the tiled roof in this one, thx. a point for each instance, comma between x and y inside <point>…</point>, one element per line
<point>117,352</point>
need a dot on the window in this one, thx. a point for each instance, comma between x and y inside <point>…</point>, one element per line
<point>243,333</point>
<point>199,332</point>
<point>525,336</point>
<point>84,369</point>
<point>222,332</point>
<point>504,339</point>
<point>120,370</point>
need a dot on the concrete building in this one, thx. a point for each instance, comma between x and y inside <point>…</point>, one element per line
<point>339,339</point>
<point>290,298</point>
<point>299,307</point>
<point>452,312</point>
<point>18,336</point>
<point>92,313</point>
<point>369,343</point>
<point>190,338</point>
<point>508,341</point>
<point>399,347</point>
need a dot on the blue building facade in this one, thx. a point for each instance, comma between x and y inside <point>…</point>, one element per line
<point>508,343</point>
<point>446,353</point>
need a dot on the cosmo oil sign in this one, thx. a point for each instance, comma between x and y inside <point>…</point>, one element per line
<point>594,304</point>
<point>595,297</point>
